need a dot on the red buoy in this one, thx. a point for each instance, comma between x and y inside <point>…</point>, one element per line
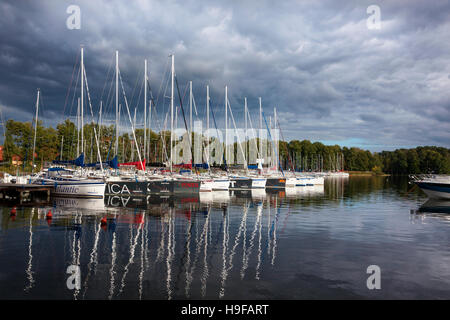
<point>49,214</point>
<point>13,211</point>
<point>103,221</point>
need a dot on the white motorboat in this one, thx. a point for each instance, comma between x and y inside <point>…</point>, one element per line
<point>435,186</point>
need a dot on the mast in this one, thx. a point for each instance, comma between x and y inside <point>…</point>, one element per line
<point>82,100</point>
<point>226,125</point>
<point>35,129</point>
<point>171,112</point>
<point>245,117</point>
<point>190,109</point>
<point>145,107</point>
<point>238,140</point>
<point>134,132</point>
<point>118,121</point>
<point>176,127</point>
<point>149,129</point>
<point>117,102</point>
<point>260,128</point>
<point>100,126</point>
<point>207,125</point>
<point>271,156</point>
<point>78,128</point>
<point>62,144</point>
<point>277,139</point>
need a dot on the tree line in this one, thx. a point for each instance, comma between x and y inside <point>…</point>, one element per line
<point>308,156</point>
<point>64,143</point>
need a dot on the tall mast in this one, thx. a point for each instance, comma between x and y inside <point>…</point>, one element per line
<point>78,127</point>
<point>226,125</point>
<point>100,126</point>
<point>176,127</point>
<point>245,117</point>
<point>276,138</point>
<point>145,107</point>
<point>134,133</point>
<point>171,112</point>
<point>190,109</point>
<point>117,102</point>
<point>35,129</point>
<point>82,100</point>
<point>149,129</point>
<point>62,144</point>
<point>271,156</point>
<point>260,128</point>
<point>207,125</point>
<point>118,121</point>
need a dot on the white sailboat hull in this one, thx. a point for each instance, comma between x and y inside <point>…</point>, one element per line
<point>304,181</point>
<point>291,182</point>
<point>220,184</point>
<point>77,189</point>
<point>258,183</point>
<point>206,185</point>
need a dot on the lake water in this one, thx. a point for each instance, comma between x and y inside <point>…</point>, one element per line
<point>307,243</point>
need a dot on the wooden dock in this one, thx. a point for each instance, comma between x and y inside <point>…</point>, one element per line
<point>24,192</point>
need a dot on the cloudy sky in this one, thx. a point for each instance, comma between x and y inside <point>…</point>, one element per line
<point>330,74</point>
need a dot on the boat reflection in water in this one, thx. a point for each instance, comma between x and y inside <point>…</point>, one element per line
<point>432,208</point>
<point>160,247</point>
<point>230,245</point>
<point>435,206</point>
<point>304,192</point>
<point>215,197</point>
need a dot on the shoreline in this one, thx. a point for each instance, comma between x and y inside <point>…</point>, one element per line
<point>368,174</point>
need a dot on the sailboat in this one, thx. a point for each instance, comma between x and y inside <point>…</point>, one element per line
<point>69,182</point>
<point>247,181</point>
<point>219,182</point>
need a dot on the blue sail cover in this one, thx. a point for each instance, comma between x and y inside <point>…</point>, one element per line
<point>201,165</point>
<point>77,162</point>
<point>114,163</point>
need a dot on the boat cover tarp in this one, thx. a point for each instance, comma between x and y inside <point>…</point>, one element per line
<point>201,165</point>
<point>114,163</point>
<point>77,162</point>
<point>183,165</point>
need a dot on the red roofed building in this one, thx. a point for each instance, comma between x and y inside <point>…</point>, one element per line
<point>16,160</point>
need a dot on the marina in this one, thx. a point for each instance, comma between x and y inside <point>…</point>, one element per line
<point>178,176</point>
<point>226,155</point>
<point>230,244</point>
<point>247,222</point>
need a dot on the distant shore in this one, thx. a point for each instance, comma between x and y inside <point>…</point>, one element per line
<point>368,173</point>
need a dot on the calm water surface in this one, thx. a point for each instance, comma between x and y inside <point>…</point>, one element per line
<point>308,243</point>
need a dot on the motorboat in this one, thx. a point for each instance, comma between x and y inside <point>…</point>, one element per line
<point>434,186</point>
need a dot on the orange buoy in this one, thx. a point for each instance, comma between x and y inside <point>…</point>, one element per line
<point>103,221</point>
<point>13,211</point>
<point>49,214</point>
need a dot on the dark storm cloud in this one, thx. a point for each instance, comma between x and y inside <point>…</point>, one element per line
<point>328,75</point>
